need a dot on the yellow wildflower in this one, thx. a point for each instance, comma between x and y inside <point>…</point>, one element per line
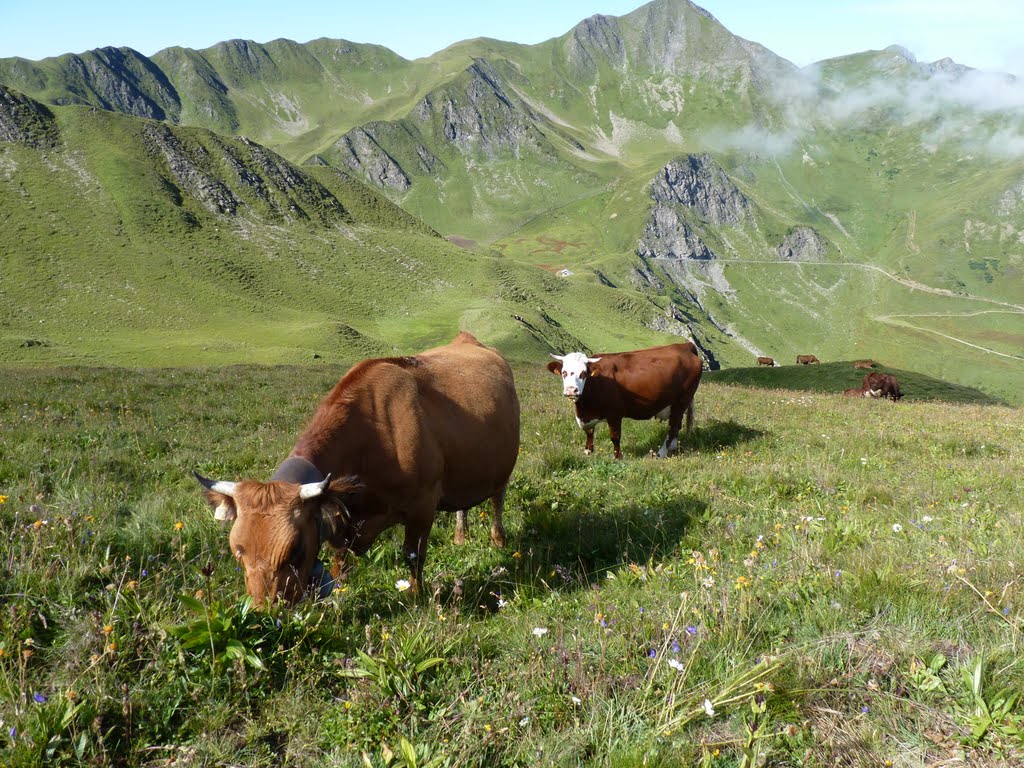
<point>178,525</point>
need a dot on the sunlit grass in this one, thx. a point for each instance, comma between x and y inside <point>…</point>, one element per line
<point>813,578</point>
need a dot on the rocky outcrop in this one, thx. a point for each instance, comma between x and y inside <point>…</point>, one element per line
<point>475,113</point>
<point>801,244</point>
<point>260,181</point>
<point>26,121</point>
<point>700,184</point>
<point>668,236</point>
<point>1012,200</point>
<point>361,152</point>
<point>121,80</point>
<point>595,40</point>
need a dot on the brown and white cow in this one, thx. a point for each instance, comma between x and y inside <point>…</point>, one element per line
<point>886,382</point>
<point>660,381</point>
<point>864,364</point>
<point>859,392</point>
<point>405,437</point>
<point>766,361</point>
<point>806,359</point>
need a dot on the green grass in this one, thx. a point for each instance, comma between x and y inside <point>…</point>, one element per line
<point>824,571</point>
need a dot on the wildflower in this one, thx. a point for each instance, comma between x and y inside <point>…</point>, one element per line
<point>926,518</point>
<point>792,730</point>
<point>742,582</point>
<point>108,628</point>
<point>132,584</point>
<point>487,727</point>
<point>112,647</point>
<point>576,700</point>
<point>502,603</point>
<point>3,499</point>
<point>37,524</point>
<point>517,555</point>
<point>178,525</point>
<point>676,664</point>
<point>38,698</point>
<point>13,733</point>
<point>709,710</point>
<point>691,630</point>
<point>865,710</point>
<point>524,722</point>
<point>709,581</point>
<point>896,527</point>
<point>540,631</point>
<point>665,626</point>
<point>652,653</point>
<point>402,584</point>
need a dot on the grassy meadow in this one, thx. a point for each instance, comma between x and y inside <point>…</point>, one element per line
<point>813,581</point>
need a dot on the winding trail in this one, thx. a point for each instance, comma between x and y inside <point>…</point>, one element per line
<point>1007,308</point>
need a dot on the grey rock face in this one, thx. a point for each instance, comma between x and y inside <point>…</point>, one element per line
<point>186,167</point>
<point>26,121</point>
<point>593,40</point>
<point>699,183</point>
<point>481,116</point>
<point>802,244</point>
<point>1012,200</point>
<point>667,236</point>
<point>122,80</point>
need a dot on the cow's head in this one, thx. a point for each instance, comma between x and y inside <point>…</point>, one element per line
<point>574,369</point>
<point>277,528</point>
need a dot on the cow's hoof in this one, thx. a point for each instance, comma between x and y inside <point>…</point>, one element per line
<point>587,451</point>
<point>498,538</point>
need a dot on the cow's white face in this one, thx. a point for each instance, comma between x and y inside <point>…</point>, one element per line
<point>575,372</point>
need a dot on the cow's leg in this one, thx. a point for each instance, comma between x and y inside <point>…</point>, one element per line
<point>675,421</point>
<point>497,529</point>
<point>615,430</point>
<point>589,447</point>
<point>341,563</point>
<point>417,533</point>
<point>460,526</point>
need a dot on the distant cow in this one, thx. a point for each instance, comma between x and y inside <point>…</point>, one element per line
<point>634,385</point>
<point>864,364</point>
<point>806,359</point>
<point>887,383</point>
<point>766,361</point>
<point>406,436</point>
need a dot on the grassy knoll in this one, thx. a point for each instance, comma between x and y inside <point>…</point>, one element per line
<point>818,580</point>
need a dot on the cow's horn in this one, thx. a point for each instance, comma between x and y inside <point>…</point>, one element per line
<point>559,358</point>
<point>593,359</point>
<point>312,490</point>
<point>217,486</point>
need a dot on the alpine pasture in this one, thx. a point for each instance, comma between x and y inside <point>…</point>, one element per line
<point>812,581</point>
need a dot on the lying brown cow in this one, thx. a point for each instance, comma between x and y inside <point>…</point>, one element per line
<point>409,435</point>
<point>633,385</point>
<point>806,359</point>
<point>766,361</point>
<point>885,382</point>
<point>864,364</point>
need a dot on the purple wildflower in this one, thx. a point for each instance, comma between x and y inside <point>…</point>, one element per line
<point>675,646</point>
<point>691,630</point>
<point>652,653</point>
<point>38,698</point>
<point>865,710</point>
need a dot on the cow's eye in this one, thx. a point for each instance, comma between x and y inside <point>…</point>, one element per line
<point>564,374</point>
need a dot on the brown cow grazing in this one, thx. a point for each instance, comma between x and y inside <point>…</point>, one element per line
<point>864,364</point>
<point>766,361</point>
<point>885,382</point>
<point>660,381</point>
<point>806,359</point>
<point>409,435</point>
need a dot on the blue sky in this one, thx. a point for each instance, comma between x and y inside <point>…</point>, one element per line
<point>981,33</point>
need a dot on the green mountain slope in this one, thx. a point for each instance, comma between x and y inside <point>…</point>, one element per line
<point>884,197</point>
<point>130,241</point>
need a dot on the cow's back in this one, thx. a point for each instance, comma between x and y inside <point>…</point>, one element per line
<point>640,384</point>
<point>471,411</point>
<point>442,423</point>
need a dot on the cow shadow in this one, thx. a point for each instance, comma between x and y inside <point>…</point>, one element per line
<point>549,552</point>
<point>711,437</point>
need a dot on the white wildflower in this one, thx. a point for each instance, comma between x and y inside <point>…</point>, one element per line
<point>540,631</point>
<point>927,519</point>
<point>709,710</point>
<point>896,527</point>
<point>676,664</point>
<point>402,585</point>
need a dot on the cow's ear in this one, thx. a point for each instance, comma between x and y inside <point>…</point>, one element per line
<point>220,496</point>
<point>555,366</point>
<point>336,503</point>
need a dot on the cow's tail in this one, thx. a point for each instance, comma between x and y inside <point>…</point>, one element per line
<point>689,418</point>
